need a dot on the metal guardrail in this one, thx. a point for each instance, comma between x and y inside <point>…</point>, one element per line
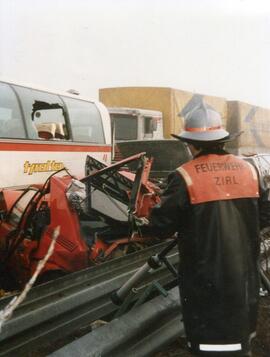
<point>55,310</point>
<point>141,332</point>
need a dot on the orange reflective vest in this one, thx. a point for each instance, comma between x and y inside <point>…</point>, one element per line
<point>219,177</point>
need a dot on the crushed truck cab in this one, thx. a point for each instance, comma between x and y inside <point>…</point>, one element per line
<point>96,214</point>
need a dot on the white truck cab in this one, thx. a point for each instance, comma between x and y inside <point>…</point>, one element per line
<point>135,124</point>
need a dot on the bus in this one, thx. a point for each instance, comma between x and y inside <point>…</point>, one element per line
<point>42,132</point>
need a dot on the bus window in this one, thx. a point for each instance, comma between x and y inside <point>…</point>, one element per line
<point>46,118</point>
<point>44,114</point>
<point>42,132</point>
<point>11,123</point>
<point>85,121</point>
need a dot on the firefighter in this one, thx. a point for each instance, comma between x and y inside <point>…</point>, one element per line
<point>212,202</point>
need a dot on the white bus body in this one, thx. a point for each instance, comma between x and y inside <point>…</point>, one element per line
<point>43,131</point>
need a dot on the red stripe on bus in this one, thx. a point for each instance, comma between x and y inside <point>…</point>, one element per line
<point>53,147</point>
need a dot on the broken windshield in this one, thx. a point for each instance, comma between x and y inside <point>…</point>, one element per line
<point>125,127</point>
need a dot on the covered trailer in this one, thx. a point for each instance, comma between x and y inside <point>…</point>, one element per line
<point>236,116</point>
<point>169,101</point>
<point>255,124</point>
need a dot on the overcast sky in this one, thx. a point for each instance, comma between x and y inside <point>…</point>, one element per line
<point>215,47</point>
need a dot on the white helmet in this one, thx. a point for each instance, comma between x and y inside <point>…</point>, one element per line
<point>203,123</point>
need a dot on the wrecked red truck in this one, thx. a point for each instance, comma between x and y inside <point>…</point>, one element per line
<point>98,217</point>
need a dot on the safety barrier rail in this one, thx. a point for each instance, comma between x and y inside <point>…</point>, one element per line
<point>55,310</point>
<point>141,332</point>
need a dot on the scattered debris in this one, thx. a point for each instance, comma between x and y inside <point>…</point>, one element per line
<point>98,323</point>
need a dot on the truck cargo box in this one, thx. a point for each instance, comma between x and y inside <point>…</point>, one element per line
<point>169,101</point>
<point>255,124</point>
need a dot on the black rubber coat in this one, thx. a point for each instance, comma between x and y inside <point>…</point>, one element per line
<point>219,276</point>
